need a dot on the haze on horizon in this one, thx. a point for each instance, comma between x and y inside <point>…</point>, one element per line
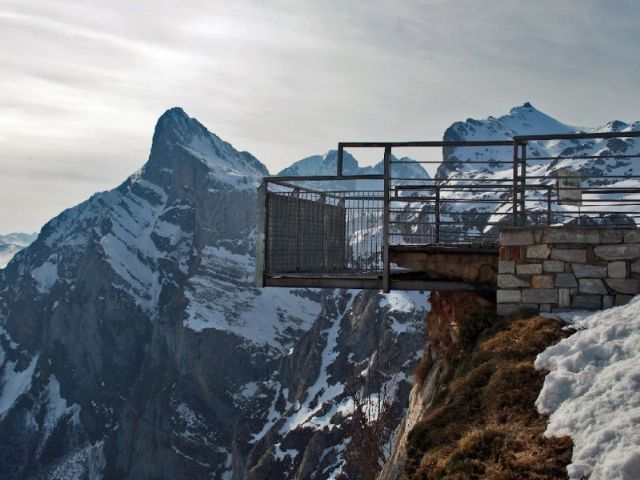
<point>82,84</point>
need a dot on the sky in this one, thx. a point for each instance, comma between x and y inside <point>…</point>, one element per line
<point>83,83</point>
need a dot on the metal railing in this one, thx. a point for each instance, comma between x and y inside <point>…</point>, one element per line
<point>347,224</point>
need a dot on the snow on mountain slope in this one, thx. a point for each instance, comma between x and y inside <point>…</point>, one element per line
<point>527,120</point>
<point>522,120</point>
<point>593,393</point>
<point>12,243</point>
<point>326,164</point>
<point>300,423</point>
<point>222,296</point>
<point>144,224</point>
<point>140,300</point>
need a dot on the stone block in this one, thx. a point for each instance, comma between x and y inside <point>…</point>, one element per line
<point>511,253</point>
<point>542,281</point>
<point>506,280</point>
<point>529,269</point>
<point>635,266</point>
<point>540,295</point>
<point>576,255</point>
<point>537,235</point>
<point>566,280</point>
<point>587,302</point>
<point>564,297</point>
<point>617,270</point>
<point>516,237</point>
<point>538,251</point>
<point>618,252</point>
<point>503,309</point>
<point>609,236</point>
<point>506,266</point>
<point>516,253</point>
<point>508,296</point>
<point>628,286</point>
<point>622,299</point>
<point>608,301</point>
<point>545,307</point>
<point>592,286</point>
<point>570,235</point>
<point>632,236</point>
<point>552,266</point>
<point>589,271</point>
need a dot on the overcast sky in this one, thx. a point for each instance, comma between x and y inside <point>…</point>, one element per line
<point>82,83</point>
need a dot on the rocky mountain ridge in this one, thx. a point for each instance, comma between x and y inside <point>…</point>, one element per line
<point>132,341</point>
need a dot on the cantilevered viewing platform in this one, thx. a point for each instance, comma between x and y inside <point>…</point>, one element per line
<point>410,232</point>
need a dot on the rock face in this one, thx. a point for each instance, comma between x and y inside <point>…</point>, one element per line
<point>133,345</point>
<point>301,424</point>
<point>448,311</point>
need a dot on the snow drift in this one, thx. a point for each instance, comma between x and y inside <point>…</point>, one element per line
<point>593,393</point>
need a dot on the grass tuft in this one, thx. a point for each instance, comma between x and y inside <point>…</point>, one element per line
<point>484,423</point>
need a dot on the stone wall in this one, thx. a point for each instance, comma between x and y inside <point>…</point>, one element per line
<point>553,269</point>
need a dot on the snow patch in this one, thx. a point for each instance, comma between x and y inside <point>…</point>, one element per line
<point>593,393</point>
<point>405,302</point>
<point>15,383</point>
<point>46,275</point>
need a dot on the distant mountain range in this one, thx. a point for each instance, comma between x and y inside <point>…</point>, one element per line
<point>12,243</point>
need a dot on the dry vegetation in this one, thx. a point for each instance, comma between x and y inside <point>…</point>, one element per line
<point>484,423</point>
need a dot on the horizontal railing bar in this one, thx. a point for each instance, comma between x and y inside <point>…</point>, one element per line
<point>484,143</point>
<point>574,136</point>
<point>446,179</point>
<point>587,178</point>
<point>321,178</point>
<point>453,162</point>
<point>578,157</point>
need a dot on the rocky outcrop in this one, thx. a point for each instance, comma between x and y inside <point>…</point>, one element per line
<point>448,312</point>
<point>364,344</point>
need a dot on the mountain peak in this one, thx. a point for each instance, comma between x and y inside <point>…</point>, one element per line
<point>178,137</point>
<point>524,119</point>
<point>176,126</point>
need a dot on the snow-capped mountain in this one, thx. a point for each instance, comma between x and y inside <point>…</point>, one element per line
<point>327,164</point>
<point>132,340</point>
<point>12,243</point>
<point>527,120</point>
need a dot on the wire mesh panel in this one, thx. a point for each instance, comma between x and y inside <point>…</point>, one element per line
<point>304,234</point>
<point>364,231</point>
<point>323,232</point>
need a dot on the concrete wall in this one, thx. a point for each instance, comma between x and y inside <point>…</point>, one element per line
<point>566,268</point>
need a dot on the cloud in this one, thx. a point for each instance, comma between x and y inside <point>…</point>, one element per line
<point>83,82</point>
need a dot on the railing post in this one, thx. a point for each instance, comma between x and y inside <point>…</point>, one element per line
<point>296,195</point>
<point>339,160</point>
<point>437,214</point>
<point>549,205</point>
<point>515,183</point>
<point>261,233</point>
<point>523,184</point>
<point>385,220</point>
